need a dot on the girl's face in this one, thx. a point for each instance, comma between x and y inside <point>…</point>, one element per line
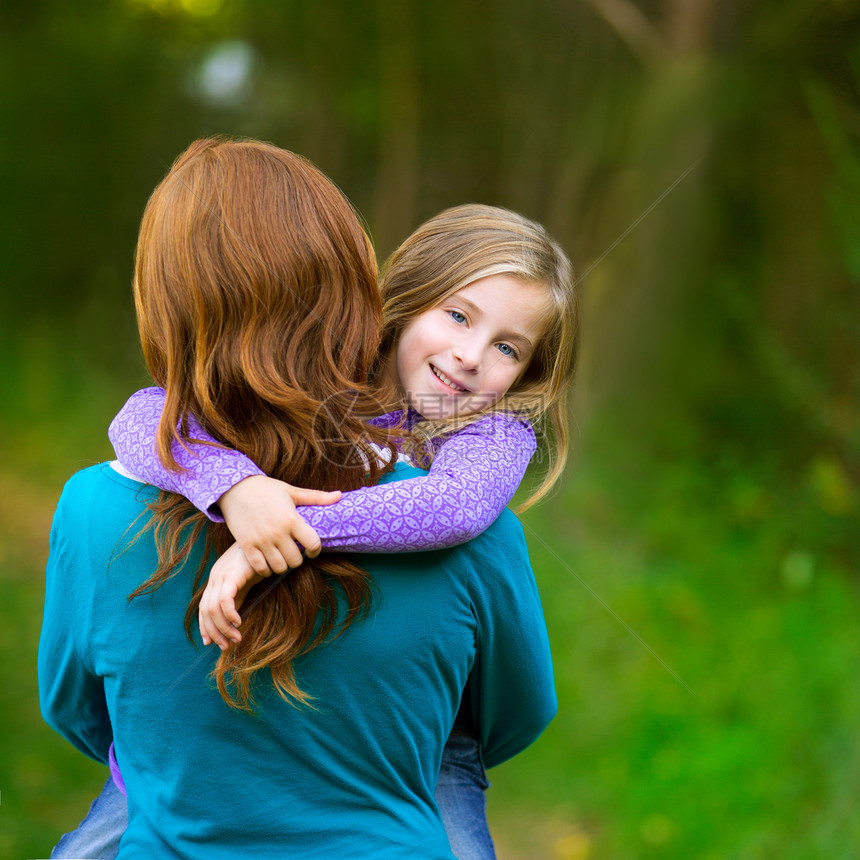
<point>463,355</point>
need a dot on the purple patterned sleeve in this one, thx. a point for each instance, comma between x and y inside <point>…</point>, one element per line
<point>207,472</point>
<point>473,477</point>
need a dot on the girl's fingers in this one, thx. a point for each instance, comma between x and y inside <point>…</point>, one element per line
<point>275,561</point>
<point>231,616</point>
<point>291,553</point>
<point>309,539</point>
<point>203,615</point>
<point>226,633</point>
<point>258,561</point>
<point>224,615</point>
<point>216,625</point>
<point>212,632</point>
<point>203,634</point>
<point>304,496</point>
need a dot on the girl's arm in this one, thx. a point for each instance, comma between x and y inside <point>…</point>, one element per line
<point>206,473</point>
<point>473,477</point>
<point>267,527</point>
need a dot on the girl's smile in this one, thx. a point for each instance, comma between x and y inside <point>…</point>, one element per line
<point>463,355</point>
<point>446,380</point>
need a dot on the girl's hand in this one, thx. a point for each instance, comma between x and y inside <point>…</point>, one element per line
<point>229,581</point>
<point>261,514</point>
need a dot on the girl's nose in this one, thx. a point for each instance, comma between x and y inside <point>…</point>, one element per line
<point>468,353</point>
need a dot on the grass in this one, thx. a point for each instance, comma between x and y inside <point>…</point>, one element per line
<point>705,667</point>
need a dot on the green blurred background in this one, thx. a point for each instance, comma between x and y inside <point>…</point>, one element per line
<point>700,160</point>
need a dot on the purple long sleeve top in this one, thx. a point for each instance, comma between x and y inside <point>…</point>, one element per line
<point>474,476</point>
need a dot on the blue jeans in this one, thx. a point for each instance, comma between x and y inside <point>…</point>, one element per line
<point>98,835</point>
<point>461,800</point>
<point>459,794</point>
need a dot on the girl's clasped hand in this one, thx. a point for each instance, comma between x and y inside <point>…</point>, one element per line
<point>271,537</point>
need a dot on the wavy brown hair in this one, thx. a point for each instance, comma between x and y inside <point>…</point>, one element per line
<point>259,313</point>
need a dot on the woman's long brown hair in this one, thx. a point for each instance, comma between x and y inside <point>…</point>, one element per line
<point>259,313</point>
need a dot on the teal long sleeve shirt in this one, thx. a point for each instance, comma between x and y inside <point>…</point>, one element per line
<point>351,777</point>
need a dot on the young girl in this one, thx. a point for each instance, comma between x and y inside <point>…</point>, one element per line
<point>479,338</point>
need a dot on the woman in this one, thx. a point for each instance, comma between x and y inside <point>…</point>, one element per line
<point>257,303</point>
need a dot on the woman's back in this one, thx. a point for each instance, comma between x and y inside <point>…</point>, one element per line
<point>352,776</point>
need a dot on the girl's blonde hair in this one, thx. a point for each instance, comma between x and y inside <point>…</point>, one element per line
<point>259,313</point>
<point>460,246</point>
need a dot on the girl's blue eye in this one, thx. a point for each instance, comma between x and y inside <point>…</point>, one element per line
<point>457,316</point>
<point>507,349</point>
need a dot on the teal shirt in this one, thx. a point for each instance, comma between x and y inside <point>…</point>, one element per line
<point>352,777</point>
